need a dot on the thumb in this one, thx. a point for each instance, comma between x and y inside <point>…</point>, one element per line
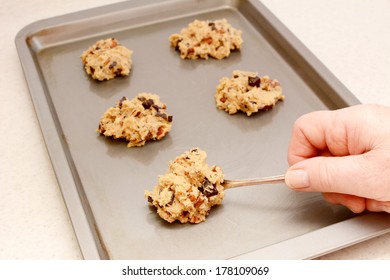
<point>348,175</point>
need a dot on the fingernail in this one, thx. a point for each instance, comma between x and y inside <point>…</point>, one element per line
<point>297,179</point>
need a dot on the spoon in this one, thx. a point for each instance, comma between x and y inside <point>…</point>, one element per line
<point>229,184</point>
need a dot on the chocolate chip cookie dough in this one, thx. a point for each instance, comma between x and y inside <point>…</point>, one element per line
<point>138,120</point>
<point>204,39</point>
<point>247,92</point>
<point>107,59</point>
<point>188,190</point>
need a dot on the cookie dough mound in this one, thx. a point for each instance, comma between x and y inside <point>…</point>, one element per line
<point>107,59</point>
<point>247,92</point>
<point>204,39</point>
<point>138,120</point>
<point>188,190</point>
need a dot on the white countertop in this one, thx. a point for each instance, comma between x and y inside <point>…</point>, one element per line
<point>349,36</point>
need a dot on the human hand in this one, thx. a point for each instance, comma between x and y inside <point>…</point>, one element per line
<point>345,154</point>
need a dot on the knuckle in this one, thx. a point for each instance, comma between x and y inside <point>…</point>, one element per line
<point>326,179</point>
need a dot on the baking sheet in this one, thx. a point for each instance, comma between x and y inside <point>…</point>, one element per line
<point>103,181</point>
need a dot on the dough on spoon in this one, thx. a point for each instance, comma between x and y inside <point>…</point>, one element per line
<point>188,190</point>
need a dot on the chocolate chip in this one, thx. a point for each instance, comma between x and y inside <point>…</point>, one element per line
<point>112,65</point>
<point>147,103</point>
<point>101,129</point>
<point>171,201</point>
<point>266,108</point>
<point>207,188</point>
<point>254,81</point>
<point>156,107</point>
<point>92,69</point>
<point>121,102</point>
<point>162,115</point>
<point>141,98</point>
<point>212,25</point>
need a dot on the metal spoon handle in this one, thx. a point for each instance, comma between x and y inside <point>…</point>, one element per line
<point>228,184</point>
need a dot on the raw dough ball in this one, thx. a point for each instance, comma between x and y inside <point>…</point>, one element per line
<point>247,92</point>
<point>138,120</point>
<point>188,190</point>
<point>204,39</point>
<point>107,59</point>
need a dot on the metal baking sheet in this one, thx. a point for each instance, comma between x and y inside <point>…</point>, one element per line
<point>102,180</point>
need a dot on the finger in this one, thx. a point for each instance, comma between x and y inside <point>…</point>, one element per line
<point>315,133</point>
<point>354,203</point>
<point>338,133</point>
<point>378,206</point>
<point>353,175</point>
<point>357,204</point>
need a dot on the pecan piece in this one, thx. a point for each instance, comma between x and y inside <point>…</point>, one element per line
<point>223,99</point>
<point>114,43</point>
<point>207,40</point>
<point>198,202</point>
<point>160,132</point>
<point>148,136</point>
